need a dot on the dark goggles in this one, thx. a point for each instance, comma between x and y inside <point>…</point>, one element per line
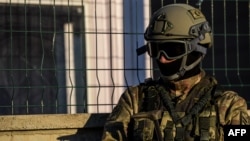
<point>172,49</point>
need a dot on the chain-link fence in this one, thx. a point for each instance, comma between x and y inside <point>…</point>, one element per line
<point>75,56</point>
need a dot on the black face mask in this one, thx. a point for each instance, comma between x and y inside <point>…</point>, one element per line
<point>174,67</point>
<point>169,68</point>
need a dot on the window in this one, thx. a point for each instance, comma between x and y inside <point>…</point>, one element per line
<point>42,54</point>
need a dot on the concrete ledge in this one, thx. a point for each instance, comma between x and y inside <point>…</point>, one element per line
<point>51,121</point>
<point>53,127</point>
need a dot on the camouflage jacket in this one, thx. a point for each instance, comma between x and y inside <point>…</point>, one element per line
<point>143,109</point>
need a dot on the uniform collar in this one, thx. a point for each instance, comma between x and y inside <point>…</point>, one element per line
<point>180,89</point>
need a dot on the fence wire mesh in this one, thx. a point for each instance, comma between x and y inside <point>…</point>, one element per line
<point>76,56</point>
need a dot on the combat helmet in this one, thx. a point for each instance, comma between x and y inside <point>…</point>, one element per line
<point>177,30</point>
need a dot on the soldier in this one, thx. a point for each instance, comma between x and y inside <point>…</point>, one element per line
<point>185,103</point>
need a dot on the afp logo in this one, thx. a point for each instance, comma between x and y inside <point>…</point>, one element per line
<point>236,132</point>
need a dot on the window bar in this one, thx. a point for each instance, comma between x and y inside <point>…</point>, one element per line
<point>111,54</point>
<point>57,106</point>
<point>96,41</point>
<point>237,43</point>
<point>11,61</point>
<point>213,52</point>
<point>84,72</point>
<point>26,57</point>
<point>42,59</point>
<point>69,57</point>
<point>225,42</point>
<point>70,76</point>
<point>124,59</point>
<point>136,31</point>
<point>199,3</point>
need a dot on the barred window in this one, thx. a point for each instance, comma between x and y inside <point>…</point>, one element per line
<point>42,54</point>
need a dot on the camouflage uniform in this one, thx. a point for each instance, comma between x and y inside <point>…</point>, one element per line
<point>203,121</point>
<point>185,104</point>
